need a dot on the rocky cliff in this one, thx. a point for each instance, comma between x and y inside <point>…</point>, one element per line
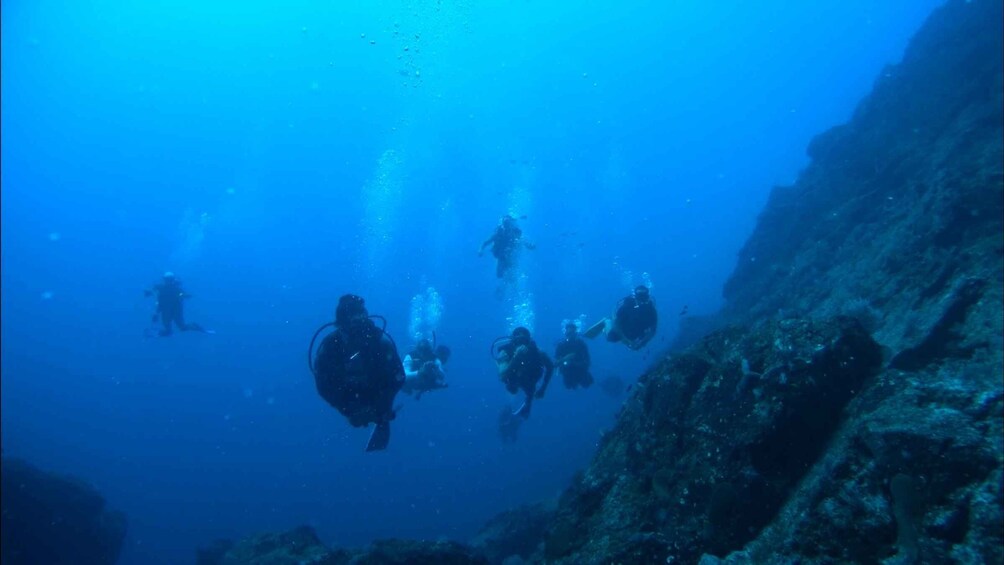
<point>786,437</point>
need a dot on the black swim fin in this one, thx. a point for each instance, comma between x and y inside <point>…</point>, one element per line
<point>379,438</point>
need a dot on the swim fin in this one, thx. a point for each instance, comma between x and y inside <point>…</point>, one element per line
<point>379,438</point>
<point>595,329</point>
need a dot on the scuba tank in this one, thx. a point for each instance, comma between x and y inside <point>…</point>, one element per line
<point>313,340</point>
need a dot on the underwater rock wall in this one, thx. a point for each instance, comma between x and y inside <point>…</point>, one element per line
<point>45,518</point>
<point>787,436</point>
<point>900,206</point>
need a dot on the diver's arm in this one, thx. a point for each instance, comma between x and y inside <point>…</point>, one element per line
<point>565,359</point>
<point>650,329</point>
<point>485,245</point>
<point>643,339</point>
<point>548,371</point>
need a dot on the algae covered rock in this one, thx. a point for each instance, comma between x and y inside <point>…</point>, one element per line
<point>407,552</point>
<point>300,546</point>
<point>711,443</point>
<point>517,532</point>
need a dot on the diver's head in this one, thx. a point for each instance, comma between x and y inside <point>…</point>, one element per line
<point>169,277</point>
<point>423,346</point>
<point>443,354</point>
<point>507,220</point>
<point>571,329</point>
<point>521,336</point>
<point>351,311</point>
<point>641,294</point>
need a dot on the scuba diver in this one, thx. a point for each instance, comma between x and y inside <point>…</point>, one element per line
<point>171,307</point>
<point>505,243</point>
<point>423,368</point>
<point>572,358</point>
<point>358,370</point>
<point>520,365</point>
<point>634,323</point>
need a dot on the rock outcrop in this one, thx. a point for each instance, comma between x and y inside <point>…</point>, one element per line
<point>897,223</point>
<point>46,518</point>
<point>301,546</point>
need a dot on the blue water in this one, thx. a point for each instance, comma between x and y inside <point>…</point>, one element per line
<point>278,155</point>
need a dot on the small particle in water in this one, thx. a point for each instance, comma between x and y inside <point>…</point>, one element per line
<point>47,295</point>
<point>54,236</point>
<point>231,191</point>
<point>303,29</point>
<point>585,75</point>
<point>315,86</point>
<point>362,36</point>
<point>270,401</point>
<point>248,392</point>
<point>372,42</point>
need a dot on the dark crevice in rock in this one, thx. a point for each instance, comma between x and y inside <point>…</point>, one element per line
<point>942,340</point>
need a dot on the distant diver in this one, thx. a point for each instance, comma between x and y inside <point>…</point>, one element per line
<point>357,369</point>
<point>423,368</point>
<point>505,242</point>
<point>634,323</point>
<point>171,306</point>
<point>572,359</point>
<point>521,365</point>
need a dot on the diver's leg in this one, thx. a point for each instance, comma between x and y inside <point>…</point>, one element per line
<point>165,320</point>
<point>614,335</point>
<point>524,410</point>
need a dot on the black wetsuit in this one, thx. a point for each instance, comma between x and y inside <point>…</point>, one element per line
<point>526,369</point>
<point>358,371</point>
<point>632,320</point>
<point>575,369</point>
<point>505,243</point>
<point>171,308</point>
